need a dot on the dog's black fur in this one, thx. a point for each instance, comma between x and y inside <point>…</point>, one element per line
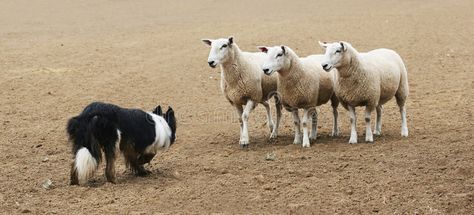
<point>96,130</point>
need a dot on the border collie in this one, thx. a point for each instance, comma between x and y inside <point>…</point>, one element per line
<point>107,127</point>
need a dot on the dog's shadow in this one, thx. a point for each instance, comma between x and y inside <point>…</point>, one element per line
<point>127,177</point>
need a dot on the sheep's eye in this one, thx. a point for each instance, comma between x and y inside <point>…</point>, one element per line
<point>279,55</point>
<point>338,51</point>
<point>223,46</point>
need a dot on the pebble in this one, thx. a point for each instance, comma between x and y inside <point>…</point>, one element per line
<point>350,192</point>
<point>294,206</point>
<point>270,157</point>
<point>260,179</point>
<point>48,184</point>
<point>269,187</point>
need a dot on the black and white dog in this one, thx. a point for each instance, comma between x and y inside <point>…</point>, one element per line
<point>106,127</point>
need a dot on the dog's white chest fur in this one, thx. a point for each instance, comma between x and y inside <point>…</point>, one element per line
<point>162,135</point>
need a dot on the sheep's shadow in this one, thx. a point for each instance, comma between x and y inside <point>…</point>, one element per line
<point>263,142</point>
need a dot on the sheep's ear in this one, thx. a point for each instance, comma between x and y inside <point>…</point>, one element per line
<point>263,49</point>
<point>323,45</point>
<point>207,41</point>
<point>343,45</point>
<point>231,40</point>
<point>283,49</point>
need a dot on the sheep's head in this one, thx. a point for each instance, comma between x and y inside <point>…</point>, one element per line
<point>335,56</point>
<point>277,59</point>
<point>220,50</point>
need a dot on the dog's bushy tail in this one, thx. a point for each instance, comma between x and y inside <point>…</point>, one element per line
<point>85,134</point>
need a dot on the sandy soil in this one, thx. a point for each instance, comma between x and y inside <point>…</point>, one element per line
<point>57,56</point>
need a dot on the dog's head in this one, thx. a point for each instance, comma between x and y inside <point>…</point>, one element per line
<point>170,120</point>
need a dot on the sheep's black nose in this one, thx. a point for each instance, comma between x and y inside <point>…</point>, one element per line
<point>265,70</point>
<point>211,63</point>
<point>325,65</point>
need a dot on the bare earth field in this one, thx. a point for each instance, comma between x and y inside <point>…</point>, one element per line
<point>57,56</point>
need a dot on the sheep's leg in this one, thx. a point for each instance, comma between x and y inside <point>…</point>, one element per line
<point>352,114</point>
<point>378,124</point>
<point>240,111</point>
<point>314,125</point>
<point>275,128</point>
<point>401,97</point>
<point>369,137</point>
<point>296,121</point>
<point>269,116</point>
<point>404,121</point>
<point>244,139</point>
<point>335,113</point>
<point>305,128</point>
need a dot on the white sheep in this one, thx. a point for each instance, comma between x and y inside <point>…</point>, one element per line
<point>367,79</point>
<point>302,84</point>
<point>243,82</point>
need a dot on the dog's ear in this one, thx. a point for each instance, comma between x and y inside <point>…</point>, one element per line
<point>169,114</point>
<point>171,120</point>
<point>158,111</point>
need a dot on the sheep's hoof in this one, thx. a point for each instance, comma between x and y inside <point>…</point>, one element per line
<point>377,133</point>
<point>273,135</point>
<point>244,144</point>
<point>313,137</point>
<point>306,145</point>
<point>297,141</point>
<point>404,132</point>
<point>353,141</point>
<point>270,126</point>
<point>335,134</point>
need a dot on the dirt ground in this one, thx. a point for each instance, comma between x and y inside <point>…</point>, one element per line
<point>57,56</point>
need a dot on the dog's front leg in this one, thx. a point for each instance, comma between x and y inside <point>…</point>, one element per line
<point>110,167</point>
<point>74,179</point>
